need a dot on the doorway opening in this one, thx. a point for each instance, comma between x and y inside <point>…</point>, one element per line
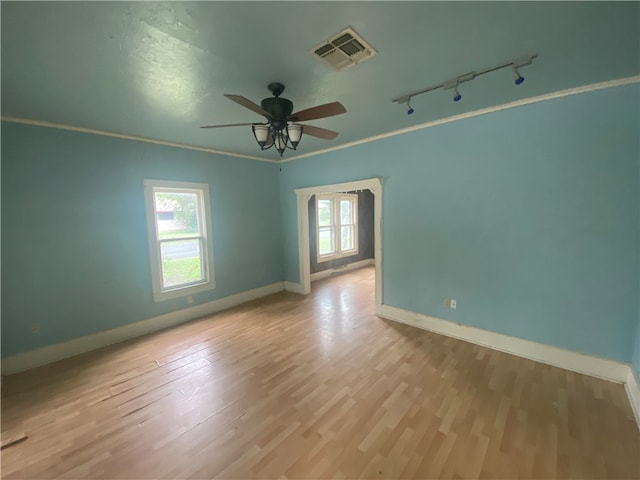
<point>304,195</point>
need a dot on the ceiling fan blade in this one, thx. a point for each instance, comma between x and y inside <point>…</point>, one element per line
<point>228,125</point>
<point>320,111</point>
<point>245,102</point>
<point>319,132</point>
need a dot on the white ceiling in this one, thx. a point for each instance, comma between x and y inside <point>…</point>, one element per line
<point>159,70</point>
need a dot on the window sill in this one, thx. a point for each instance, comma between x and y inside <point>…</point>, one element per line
<point>328,258</point>
<point>183,291</point>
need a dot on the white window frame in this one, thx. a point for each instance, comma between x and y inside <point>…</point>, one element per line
<point>335,198</point>
<point>161,293</point>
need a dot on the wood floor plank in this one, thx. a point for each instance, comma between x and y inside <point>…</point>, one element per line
<point>313,387</point>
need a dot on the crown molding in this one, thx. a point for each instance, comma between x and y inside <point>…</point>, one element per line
<point>105,133</point>
<point>434,123</point>
<point>497,108</point>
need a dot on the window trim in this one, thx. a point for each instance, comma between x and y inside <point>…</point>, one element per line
<point>337,225</point>
<point>204,215</point>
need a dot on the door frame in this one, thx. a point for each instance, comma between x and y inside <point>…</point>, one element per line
<point>374,185</point>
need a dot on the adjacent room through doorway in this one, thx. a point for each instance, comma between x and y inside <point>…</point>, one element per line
<point>341,235</point>
<point>339,229</point>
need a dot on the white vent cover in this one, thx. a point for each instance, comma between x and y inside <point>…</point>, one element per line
<point>343,50</point>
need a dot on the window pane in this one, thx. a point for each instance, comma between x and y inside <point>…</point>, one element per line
<point>346,215</point>
<point>347,238</point>
<point>177,214</point>
<point>325,212</point>
<point>326,243</point>
<point>181,262</point>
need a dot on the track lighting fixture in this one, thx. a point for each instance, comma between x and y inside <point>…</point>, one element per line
<point>410,110</point>
<point>518,78</point>
<point>457,97</point>
<point>453,84</point>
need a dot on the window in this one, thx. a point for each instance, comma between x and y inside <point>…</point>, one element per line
<point>337,225</point>
<point>179,230</point>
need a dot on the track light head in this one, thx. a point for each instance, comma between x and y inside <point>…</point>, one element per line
<point>519,79</point>
<point>457,97</point>
<point>410,109</point>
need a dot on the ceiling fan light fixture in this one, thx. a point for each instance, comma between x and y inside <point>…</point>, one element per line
<point>282,138</point>
<point>261,134</point>
<point>294,132</point>
<point>269,143</point>
<point>280,141</point>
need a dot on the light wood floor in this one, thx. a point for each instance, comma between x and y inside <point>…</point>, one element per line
<point>313,387</point>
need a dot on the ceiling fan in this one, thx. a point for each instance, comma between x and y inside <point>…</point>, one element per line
<point>282,129</point>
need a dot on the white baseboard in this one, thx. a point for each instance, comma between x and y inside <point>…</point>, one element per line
<point>52,353</point>
<point>558,357</point>
<point>345,268</point>
<point>633,392</point>
<point>294,288</point>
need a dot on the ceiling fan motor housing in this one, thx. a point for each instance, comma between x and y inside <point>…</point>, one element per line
<point>279,109</point>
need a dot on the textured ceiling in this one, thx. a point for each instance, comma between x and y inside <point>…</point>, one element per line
<point>160,70</point>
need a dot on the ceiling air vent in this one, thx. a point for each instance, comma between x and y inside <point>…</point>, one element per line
<point>344,50</point>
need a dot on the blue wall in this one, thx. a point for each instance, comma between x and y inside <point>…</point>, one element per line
<point>74,241</point>
<point>528,217</point>
<point>635,359</point>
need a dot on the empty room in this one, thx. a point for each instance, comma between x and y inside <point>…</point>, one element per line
<point>320,240</point>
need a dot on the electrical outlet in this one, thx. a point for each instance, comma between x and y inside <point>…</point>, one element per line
<point>450,302</point>
<point>35,328</point>
<point>189,299</point>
